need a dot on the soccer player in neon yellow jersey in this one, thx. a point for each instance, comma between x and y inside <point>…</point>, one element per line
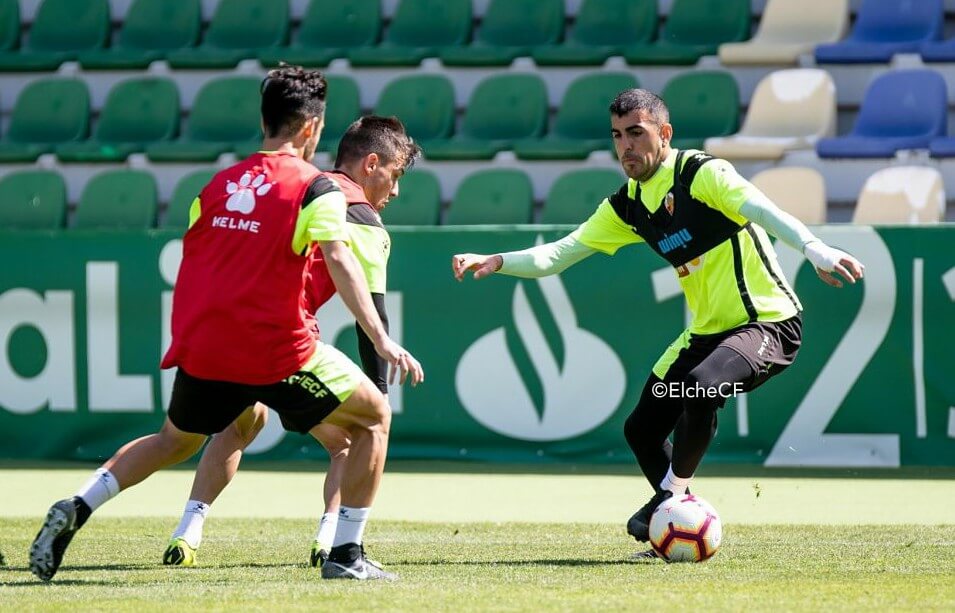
<point>710,224</point>
<point>373,154</point>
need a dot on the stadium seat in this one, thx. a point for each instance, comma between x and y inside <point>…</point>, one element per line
<point>240,29</point>
<point>902,109</point>
<point>790,109</point>
<point>9,25</point>
<point>901,195</point>
<point>884,28</point>
<point>32,200</point>
<point>341,109</point>
<point>788,30</point>
<point>492,197</point>
<point>576,194</point>
<point>510,28</point>
<point>602,28</point>
<point>938,51</point>
<point>942,147</point>
<point>61,30</point>
<point>694,28</point>
<point>424,103</point>
<point>582,124</point>
<point>503,108</point>
<point>420,29</point>
<point>799,191</point>
<point>151,29</point>
<point>702,104</point>
<point>418,202</point>
<point>47,112</point>
<point>188,187</point>
<point>136,113</point>
<point>329,30</point>
<point>118,199</point>
<point>225,114</point>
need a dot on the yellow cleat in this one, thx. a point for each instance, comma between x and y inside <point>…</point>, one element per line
<point>179,553</point>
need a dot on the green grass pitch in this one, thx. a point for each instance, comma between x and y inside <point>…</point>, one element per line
<point>514,540</point>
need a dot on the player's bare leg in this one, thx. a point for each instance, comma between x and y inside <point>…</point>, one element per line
<point>367,419</point>
<point>218,466</point>
<point>337,442</point>
<point>133,462</point>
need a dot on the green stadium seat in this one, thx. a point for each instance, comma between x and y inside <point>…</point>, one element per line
<point>576,194</point>
<point>9,25</point>
<point>137,112</point>
<point>330,29</point>
<point>61,30</point>
<point>418,202</point>
<point>32,200</point>
<point>603,28</point>
<point>343,106</point>
<point>240,29</point>
<point>702,104</point>
<point>47,112</point>
<point>694,28</point>
<point>492,197</point>
<point>118,199</point>
<point>225,115</point>
<point>424,103</point>
<point>503,108</point>
<point>188,188</point>
<point>583,119</point>
<point>510,28</point>
<point>152,29</point>
<point>420,29</point>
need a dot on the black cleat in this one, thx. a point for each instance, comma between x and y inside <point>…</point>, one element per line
<point>639,524</point>
<point>54,537</point>
<point>644,556</point>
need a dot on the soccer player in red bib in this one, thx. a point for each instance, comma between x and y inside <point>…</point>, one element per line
<point>240,332</point>
<point>710,224</point>
<point>373,154</point>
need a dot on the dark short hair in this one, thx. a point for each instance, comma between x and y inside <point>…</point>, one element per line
<point>385,136</point>
<point>640,100</point>
<point>291,96</point>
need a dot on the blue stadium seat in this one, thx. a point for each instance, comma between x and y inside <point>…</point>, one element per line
<point>902,109</point>
<point>942,147</point>
<point>884,28</point>
<point>938,51</point>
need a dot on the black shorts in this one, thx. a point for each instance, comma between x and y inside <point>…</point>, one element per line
<point>768,347</point>
<point>202,406</point>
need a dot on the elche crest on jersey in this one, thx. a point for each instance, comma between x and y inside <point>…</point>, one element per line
<point>669,202</point>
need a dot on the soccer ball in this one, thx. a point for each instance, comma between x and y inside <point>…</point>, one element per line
<point>685,528</point>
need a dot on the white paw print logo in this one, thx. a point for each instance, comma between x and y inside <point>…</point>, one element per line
<point>242,194</point>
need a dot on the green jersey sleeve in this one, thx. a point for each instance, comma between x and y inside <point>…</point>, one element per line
<point>605,231</point>
<point>719,186</point>
<point>322,217</point>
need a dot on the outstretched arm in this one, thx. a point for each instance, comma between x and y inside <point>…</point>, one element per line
<point>540,261</point>
<point>794,233</point>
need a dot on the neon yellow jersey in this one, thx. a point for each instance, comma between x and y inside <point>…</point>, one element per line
<point>370,243</point>
<point>737,280</point>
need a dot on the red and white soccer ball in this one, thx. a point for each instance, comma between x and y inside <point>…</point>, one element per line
<point>685,529</point>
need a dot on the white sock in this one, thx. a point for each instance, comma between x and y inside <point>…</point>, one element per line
<point>351,525</point>
<point>190,526</point>
<point>98,489</point>
<point>675,484</point>
<point>325,535</point>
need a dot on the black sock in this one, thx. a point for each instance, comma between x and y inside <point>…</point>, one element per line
<point>83,511</point>
<point>345,554</point>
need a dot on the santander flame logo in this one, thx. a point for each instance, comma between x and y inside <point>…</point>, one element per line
<point>578,395</point>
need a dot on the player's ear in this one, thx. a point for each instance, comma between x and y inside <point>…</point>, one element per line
<point>371,162</point>
<point>666,133</point>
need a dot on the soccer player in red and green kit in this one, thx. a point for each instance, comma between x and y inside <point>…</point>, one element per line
<point>711,225</point>
<point>240,332</point>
